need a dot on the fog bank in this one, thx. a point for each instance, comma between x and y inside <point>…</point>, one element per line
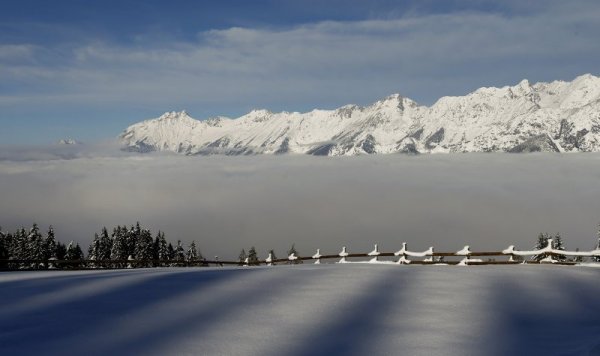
<point>227,203</point>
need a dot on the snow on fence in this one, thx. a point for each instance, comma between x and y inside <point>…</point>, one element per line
<point>403,256</point>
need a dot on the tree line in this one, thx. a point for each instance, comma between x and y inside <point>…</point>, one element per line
<point>132,246</point>
<point>135,246</point>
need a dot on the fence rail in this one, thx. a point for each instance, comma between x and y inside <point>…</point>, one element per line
<point>428,257</point>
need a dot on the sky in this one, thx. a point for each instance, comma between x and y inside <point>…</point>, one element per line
<point>487,201</point>
<point>88,69</point>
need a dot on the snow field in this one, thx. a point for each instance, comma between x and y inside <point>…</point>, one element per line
<point>350,309</point>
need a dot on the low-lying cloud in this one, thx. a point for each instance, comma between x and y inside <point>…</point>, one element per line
<point>227,203</point>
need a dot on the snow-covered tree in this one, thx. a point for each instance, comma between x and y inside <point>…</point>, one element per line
<point>73,253</point>
<point>94,250</point>
<point>179,253</point>
<point>242,257</point>
<point>557,244</point>
<point>171,252</point>
<point>50,244</point>
<point>105,247</point>
<point>192,253</point>
<point>119,250</point>
<point>542,242</point>
<point>36,246</point>
<point>144,247</point>
<point>252,257</point>
<point>597,258</point>
<point>161,249</point>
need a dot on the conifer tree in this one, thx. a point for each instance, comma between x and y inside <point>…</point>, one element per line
<point>3,249</point>
<point>179,253</point>
<point>252,257</point>
<point>242,257</point>
<point>557,244</point>
<point>94,249</point>
<point>171,252</point>
<point>597,258</point>
<point>161,247</point>
<point>105,248</point>
<point>36,246</point>
<point>119,250</point>
<point>50,244</point>
<point>192,253</point>
<point>61,250</point>
<point>293,250</point>
<point>542,242</point>
<point>143,248</point>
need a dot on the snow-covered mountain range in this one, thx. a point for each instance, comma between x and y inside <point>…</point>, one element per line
<point>557,117</point>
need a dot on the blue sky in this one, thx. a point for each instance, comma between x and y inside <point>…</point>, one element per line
<point>88,69</point>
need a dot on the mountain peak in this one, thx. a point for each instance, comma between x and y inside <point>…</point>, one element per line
<point>524,117</point>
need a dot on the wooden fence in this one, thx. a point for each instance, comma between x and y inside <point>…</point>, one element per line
<point>465,256</point>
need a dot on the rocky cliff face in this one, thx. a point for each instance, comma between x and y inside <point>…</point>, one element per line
<point>558,116</point>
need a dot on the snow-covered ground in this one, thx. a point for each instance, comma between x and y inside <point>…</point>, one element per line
<point>303,310</point>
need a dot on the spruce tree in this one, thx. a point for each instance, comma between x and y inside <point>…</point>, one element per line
<point>119,250</point>
<point>557,244</point>
<point>192,253</point>
<point>36,247</point>
<point>252,257</point>
<point>50,244</point>
<point>94,249</point>
<point>542,242</point>
<point>106,243</point>
<point>179,253</point>
<point>161,247</point>
<point>3,249</point>
<point>293,250</point>
<point>61,250</point>
<point>171,252</point>
<point>597,258</point>
<point>242,257</point>
<point>143,248</point>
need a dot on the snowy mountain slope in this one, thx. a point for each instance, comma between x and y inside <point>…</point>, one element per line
<point>303,310</point>
<point>558,116</point>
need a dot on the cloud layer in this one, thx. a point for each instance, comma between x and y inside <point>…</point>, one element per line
<point>227,203</point>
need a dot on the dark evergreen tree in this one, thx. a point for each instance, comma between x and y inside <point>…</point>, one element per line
<point>192,253</point>
<point>94,249</point>
<point>73,254</point>
<point>162,249</point>
<point>50,244</point>
<point>3,250</point>
<point>597,258</point>
<point>36,247</point>
<point>252,257</point>
<point>557,244</point>
<point>61,251</point>
<point>120,250</point>
<point>143,248</point>
<point>293,250</point>
<point>171,252</point>
<point>242,257</point>
<point>542,242</point>
<point>273,256</point>
<point>179,253</point>
<point>106,243</point>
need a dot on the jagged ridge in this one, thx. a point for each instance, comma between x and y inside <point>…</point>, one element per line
<point>558,116</point>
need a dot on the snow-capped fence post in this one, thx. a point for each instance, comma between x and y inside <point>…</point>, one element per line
<point>130,261</point>
<point>403,260</point>
<point>343,254</point>
<point>269,259</point>
<point>375,253</point>
<point>429,253</point>
<point>292,258</point>
<point>317,256</point>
